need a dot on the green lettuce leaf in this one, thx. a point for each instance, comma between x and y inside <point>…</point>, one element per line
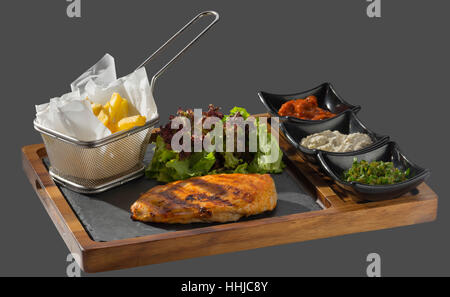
<point>241,168</point>
<point>202,162</point>
<point>262,162</point>
<point>157,169</point>
<point>231,161</point>
<point>166,165</point>
<point>242,111</point>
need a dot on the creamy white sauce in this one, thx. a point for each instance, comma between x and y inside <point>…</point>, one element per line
<point>334,141</point>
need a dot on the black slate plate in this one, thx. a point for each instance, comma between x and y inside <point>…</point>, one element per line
<point>106,216</point>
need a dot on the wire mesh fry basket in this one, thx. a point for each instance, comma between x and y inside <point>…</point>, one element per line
<point>96,166</point>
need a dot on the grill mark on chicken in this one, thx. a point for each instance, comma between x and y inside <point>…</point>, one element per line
<point>221,190</point>
<point>216,189</point>
<point>205,197</point>
<point>171,197</point>
<point>212,198</point>
<point>211,187</point>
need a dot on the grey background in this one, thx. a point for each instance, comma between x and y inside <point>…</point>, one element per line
<point>396,67</point>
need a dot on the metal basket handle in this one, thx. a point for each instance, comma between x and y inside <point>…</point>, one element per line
<point>164,68</point>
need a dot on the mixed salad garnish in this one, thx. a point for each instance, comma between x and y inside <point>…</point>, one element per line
<point>169,165</point>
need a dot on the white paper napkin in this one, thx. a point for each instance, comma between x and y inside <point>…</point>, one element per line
<point>72,115</point>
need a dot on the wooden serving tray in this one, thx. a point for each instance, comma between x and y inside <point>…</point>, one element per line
<point>342,214</point>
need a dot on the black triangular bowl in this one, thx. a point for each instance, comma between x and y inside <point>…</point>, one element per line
<point>346,123</point>
<point>335,167</point>
<point>327,98</point>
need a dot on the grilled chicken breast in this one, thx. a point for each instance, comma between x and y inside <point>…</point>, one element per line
<point>210,198</point>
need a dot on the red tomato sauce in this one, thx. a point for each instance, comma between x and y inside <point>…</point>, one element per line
<point>305,109</point>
